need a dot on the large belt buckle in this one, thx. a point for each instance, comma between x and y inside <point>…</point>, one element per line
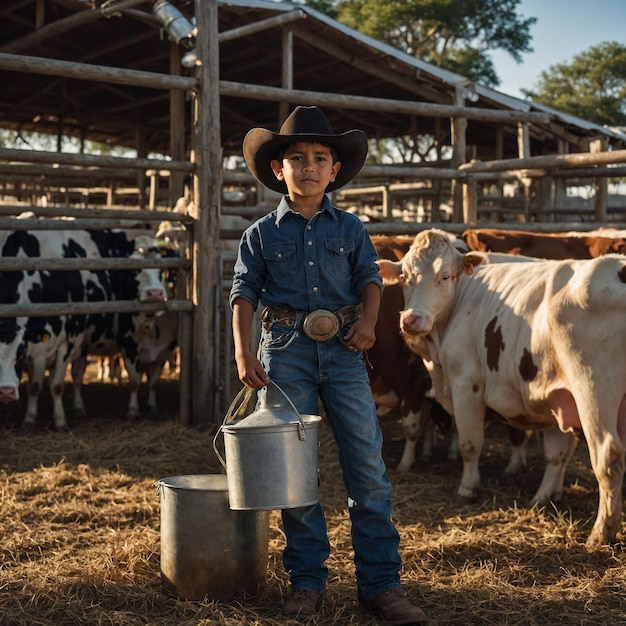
<point>320,325</point>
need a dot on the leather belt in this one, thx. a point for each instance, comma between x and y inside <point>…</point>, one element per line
<point>318,325</point>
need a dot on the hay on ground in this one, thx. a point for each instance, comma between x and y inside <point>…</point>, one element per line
<point>80,535</point>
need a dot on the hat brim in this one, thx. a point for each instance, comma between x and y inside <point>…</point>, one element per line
<point>260,147</point>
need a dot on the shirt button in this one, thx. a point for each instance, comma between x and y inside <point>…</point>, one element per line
<point>310,263</point>
<point>309,227</point>
<point>314,289</point>
<point>310,243</point>
<point>340,249</point>
<point>280,255</point>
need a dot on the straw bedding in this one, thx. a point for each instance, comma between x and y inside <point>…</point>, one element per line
<point>80,532</point>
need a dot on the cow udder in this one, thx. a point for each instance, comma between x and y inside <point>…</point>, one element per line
<point>563,408</point>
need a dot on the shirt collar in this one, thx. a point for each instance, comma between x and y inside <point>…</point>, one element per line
<point>284,208</point>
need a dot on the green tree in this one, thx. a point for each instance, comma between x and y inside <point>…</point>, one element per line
<point>592,86</point>
<point>453,34</point>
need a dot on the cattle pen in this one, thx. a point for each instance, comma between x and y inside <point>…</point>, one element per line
<point>196,82</point>
<point>80,516</point>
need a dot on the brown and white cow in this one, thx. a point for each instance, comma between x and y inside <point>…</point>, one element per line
<point>541,343</point>
<point>398,377</point>
<point>570,245</point>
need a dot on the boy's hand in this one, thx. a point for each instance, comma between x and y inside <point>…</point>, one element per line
<point>250,370</point>
<point>361,335</point>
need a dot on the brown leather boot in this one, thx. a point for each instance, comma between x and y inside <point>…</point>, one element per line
<point>303,603</point>
<point>395,609</point>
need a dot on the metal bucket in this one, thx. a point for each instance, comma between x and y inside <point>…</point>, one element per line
<point>208,550</point>
<point>271,455</point>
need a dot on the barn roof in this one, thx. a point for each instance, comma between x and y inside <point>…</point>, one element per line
<point>328,57</point>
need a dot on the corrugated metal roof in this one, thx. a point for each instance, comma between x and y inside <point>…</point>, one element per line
<point>328,58</point>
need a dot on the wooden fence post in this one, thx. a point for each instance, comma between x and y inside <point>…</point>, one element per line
<point>207,195</point>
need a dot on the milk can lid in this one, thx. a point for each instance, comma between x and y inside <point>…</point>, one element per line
<point>267,417</point>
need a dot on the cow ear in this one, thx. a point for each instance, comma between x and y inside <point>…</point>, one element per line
<point>470,261</point>
<point>391,271</point>
<point>38,336</point>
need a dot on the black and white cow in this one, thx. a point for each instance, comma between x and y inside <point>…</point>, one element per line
<point>37,344</point>
<point>145,341</point>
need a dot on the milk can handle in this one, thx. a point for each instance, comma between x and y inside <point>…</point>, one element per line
<point>301,429</point>
<point>233,410</point>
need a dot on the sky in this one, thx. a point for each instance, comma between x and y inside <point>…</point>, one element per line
<point>564,29</point>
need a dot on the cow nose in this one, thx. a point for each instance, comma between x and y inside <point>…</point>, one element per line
<point>154,295</point>
<point>416,322</point>
<point>8,393</point>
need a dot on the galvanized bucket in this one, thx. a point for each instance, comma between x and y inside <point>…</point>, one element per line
<point>208,550</point>
<point>271,455</point>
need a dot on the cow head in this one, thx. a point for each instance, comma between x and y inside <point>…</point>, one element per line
<point>428,274</point>
<point>151,282</point>
<point>15,335</point>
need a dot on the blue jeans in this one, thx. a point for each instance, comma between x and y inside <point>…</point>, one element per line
<point>306,371</point>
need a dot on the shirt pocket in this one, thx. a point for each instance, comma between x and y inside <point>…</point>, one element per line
<point>338,256</point>
<point>280,259</point>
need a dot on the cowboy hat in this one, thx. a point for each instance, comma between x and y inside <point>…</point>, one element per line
<point>260,146</point>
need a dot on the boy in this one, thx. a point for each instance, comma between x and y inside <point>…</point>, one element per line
<point>310,265</point>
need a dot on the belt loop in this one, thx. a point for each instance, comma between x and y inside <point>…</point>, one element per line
<point>299,321</point>
<point>266,319</point>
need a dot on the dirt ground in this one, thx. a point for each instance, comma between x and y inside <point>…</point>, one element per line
<point>80,521</point>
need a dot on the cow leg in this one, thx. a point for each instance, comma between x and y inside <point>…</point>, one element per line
<point>134,380</point>
<point>518,461</point>
<point>102,369</point>
<point>428,439</point>
<point>471,431</point>
<point>56,383</point>
<point>115,369</point>
<point>78,372</point>
<point>453,448</point>
<point>173,361</point>
<point>408,454</point>
<point>36,375</point>
<point>558,448</point>
<point>606,452</point>
<point>411,428</point>
<point>153,374</point>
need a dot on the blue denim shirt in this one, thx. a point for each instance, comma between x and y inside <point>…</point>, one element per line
<point>289,261</point>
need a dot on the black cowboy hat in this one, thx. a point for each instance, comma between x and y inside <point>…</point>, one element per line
<point>260,146</point>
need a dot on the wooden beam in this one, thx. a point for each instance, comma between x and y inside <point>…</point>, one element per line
<point>84,308</point>
<point>34,264</point>
<point>600,184</point>
<point>591,172</point>
<point>578,159</point>
<point>256,27</point>
<point>176,185</point>
<point>523,141</point>
<point>287,73</point>
<point>41,156</point>
<point>412,228</point>
<point>295,96</point>
<point>410,171</point>
<point>458,129</point>
<point>100,73</point>
<point>54,29</point>
<point>382,71</point>
<point>134,215</point>
<point>206,207</point>
<point>11,7</point>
